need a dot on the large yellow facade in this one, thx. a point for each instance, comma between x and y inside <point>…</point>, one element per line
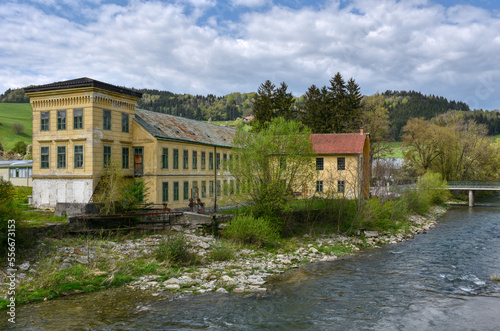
<point>81,125</point>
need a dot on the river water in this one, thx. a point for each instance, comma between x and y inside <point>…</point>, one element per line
<point>438,281</point>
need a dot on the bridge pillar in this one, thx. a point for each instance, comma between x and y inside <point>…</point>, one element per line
<point>471,198</point>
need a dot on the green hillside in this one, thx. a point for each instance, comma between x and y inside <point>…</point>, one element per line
<point>11,113</point>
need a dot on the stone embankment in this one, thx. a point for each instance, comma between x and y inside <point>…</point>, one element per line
<point>247,272</point>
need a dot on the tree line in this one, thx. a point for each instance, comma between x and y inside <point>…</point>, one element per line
<point>331,108</point>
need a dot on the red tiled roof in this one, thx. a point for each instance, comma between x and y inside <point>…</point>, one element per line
<point>338,143</point>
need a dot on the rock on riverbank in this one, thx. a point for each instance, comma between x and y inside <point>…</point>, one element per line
<point>247,272</point>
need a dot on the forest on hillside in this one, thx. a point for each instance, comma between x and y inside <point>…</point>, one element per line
<point>401,105</point>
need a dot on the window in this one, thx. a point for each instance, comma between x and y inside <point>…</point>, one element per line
<point>106,155</point>
<point>61,120</point>
<point>203,160</point>
<point>224,161</point>
<point>217,189</point>
<point>185,159</point>
<point>211,188</point>
<point>44,121</point>
<point>164,158</point>
<point>319,163</point>
<point>176,159</point>
<point>203,189</point>
<point>61,157</point>
<point>78,156</point>
<point>282,163</point>
<point>231,186</point>
<point>211,161</point>
<point>78,118</point>
<point>164,191</point>
<point>176,191</point>
<point>195,160</point>
<point>125,124</point>
<point>218,161</point>
<point>319,186</point>
<point>186,190</point>
<point>341,163</point>
<point>125,157</point>
<point>44,157</point>
<point>224,186</point>
<point>195,189</point>
<point>106,119</point>
<point>341,186</point>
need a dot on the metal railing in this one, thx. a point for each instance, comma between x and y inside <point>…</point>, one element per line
<point>473,184</point>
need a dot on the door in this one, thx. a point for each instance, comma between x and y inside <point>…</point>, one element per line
<point>138,161</point>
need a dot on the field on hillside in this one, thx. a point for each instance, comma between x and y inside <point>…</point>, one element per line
<point>11,113</point>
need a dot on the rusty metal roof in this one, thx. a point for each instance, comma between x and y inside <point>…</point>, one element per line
<point>169,127</point>
<point>338,143</point>
<point>82,82</point>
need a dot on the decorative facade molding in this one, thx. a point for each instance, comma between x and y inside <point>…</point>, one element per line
<point>79,101</point>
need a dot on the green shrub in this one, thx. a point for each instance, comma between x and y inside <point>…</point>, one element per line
<point>416,202</point>
<point>432,185</point>
<point>221,252</point>
<point>174,250</point>
<point>379,214</point>
<point>7,212</point>
<point>252,231</point>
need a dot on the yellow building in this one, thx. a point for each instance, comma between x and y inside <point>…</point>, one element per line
<point>342,164</point>
<point>81,125</point>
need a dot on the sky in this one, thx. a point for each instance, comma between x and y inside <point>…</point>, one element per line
<point>440,47</point>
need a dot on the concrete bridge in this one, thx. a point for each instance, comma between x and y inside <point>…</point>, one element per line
<point>473,186</point>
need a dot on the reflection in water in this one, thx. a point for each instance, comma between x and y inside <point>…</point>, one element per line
<point>440,280</point>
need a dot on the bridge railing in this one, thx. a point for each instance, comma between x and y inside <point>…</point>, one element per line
<point>474,184</point>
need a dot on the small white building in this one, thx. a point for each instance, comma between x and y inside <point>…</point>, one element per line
<point>17,172</point>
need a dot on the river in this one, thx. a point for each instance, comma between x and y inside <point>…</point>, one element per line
<point>438,281</point>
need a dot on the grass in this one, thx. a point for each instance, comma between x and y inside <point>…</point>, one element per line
<point>11,113</point>
<point>397,152</point>
<point>35,217</point>
<point>495,278</point>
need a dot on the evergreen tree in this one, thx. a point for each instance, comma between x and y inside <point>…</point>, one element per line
<point>283,102</point>
<point>272,102</point>
<point>335,109</point>
<point>264,103</point>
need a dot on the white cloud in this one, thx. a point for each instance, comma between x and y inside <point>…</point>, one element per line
<point>383,45</point>
<point>250,3</point>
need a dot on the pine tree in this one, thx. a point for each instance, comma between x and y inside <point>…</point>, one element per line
<point>263,103</point>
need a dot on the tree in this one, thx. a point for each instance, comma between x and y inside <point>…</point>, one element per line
<point>316,110</point>
<point>117,194</point>
<point>456,148</point>
<point>20,147</point>
<point>336,109</point>
<point>283,102</point>
<point>18,128</point>
<point>263,104</point>
<point>271,164</point>
<point>271,102</point>
<point>375,120</point>
<point>421,141</point>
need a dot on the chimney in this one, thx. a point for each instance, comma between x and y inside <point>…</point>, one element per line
<point>361,130</point>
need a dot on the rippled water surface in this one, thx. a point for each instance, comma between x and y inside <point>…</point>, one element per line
<point>438,281</point>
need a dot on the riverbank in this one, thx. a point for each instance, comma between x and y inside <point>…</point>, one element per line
<point>60,267</point>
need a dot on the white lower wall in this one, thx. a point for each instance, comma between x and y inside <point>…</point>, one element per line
<point>48,192</point>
